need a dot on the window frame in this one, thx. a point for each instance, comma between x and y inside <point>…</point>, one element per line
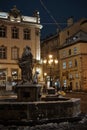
<point>76,63</point>
<point>3,52</point>
<point>70,64</point>
<point>14,53</point>
<point>75,50</point>
<point>64,65</point>
<point>69,52</point>
<point>3,31</point>
<point>26,34</point>
<point>64,53</point>
<point>15,33</point>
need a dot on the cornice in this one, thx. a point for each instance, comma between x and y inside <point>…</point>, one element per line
<point>25,24</point>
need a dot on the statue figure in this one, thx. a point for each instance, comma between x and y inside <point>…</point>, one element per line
<point>35,78</point>
<point>26,65</point>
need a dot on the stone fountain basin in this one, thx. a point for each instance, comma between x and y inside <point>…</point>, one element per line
<point>58,108</point>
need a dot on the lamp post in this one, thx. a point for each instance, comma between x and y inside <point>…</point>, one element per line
<point>50,61</point>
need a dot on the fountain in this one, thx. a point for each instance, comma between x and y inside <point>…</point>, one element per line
<point>30,104</point>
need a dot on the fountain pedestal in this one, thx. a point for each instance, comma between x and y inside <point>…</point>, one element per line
<point>51,90</point>
<point>28,92</point>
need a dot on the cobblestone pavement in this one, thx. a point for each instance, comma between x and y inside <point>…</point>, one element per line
<point>81,125</point>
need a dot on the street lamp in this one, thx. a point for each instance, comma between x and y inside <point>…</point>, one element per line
<point>50,61</point>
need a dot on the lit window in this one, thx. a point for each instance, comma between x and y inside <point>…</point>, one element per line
<point>3,52</point>
<point>65,83</point>
<point>75,50</point>
<point>2,31</point>
<point>14,72</point>
<point>27,34</point>
<point>15,32</point>
<point>74,38</point>
<point>70,64</point>
<point>64,65</point>
<point>14,53</point>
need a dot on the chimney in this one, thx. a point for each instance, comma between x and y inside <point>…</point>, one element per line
<point>70,21</point>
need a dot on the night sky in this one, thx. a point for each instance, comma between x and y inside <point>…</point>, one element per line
<point>53,13</point>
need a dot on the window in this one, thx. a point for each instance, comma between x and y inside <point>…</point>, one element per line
<point>15,32</point>
<point>75,50</point>
<point>64,65</point>
<point>14,53</point>
<point>2,31</point>
<point>70,76</point>
<point>70,64</point>
<point>64,53</point>
<point>14,72</point>
<point>65,83</point>
<point>27,34</point>
<point>3,52</point>
<point>75,37</point>
<point>77,75</point>
<point>76,63</point>
<point>69,51</point>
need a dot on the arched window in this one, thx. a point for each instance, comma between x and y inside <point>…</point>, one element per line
<point>3,52</point>
<point>14,53</point>
<point>3,31</point>
<point>27,34</point>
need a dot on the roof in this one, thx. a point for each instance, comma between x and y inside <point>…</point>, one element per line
<point>14,15</point>
<point>79,36</point>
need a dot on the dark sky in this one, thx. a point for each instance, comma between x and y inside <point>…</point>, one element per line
<point>51,13</point>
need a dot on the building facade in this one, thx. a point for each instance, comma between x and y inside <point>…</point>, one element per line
<point>72,54</point>
<point>17,32</point>
<point>49,47</point>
